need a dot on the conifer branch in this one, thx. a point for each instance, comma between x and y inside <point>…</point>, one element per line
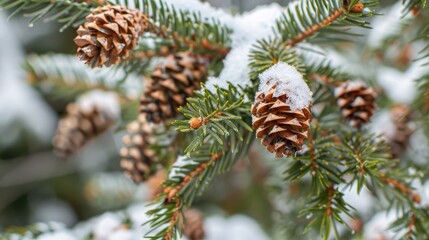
<point>411,226</point>
<point>69,13</point>
<point>312,30</point>
<point>326,20</point>
<point>211,115</point>
<point>173,221</point>
<point>222,135</point>
<point>424,36</point>
<point>414,6</point>
<point>415,197</point>
<point>171,192</point>
<point>327,73</point>
<point>266,53</point>
<point>70,78</point>
<point>187,29</point>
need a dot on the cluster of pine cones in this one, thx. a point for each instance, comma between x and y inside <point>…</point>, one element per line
<point>108,37</point>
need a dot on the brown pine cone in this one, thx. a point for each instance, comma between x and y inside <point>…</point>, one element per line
<point>109,34</point>
<point>399,140</point>
<point>155,184</point>
<point>357,102</point>
<point>171,83</point>
<point>79,126</point>
<point>138,157</point>
<point>194,224</point>
<point>281,130</point>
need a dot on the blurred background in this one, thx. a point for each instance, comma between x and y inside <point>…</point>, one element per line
<point>36,186</point>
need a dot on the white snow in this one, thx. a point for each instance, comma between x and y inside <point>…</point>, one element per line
<point>238,227</point>
<point>398,85</point>
<point>22,110</point>
<point>59,235</point>
<point>378,226</point>
<point>247,28</point>
<point>108,101</point>
<point>207,11</point>
<point>387,26</point>
<point>363,202</point>
<point>180,162</point>
<point>236,70</point>
<point>287,81</point>
<point>382,124</point>
<point>254,25</point>
<point>107,224</point>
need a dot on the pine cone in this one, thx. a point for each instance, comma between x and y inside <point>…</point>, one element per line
<point>79,126</point>
<point>138,158</point>
<point>281,130</point>
<point>109,34</point>
<point>155,184</point>
<point>357,102</point>
<point>170,84</point>
<point>399,140</point>
<point>194,224</point>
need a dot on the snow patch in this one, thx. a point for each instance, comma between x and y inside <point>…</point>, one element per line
<point>108,101</point>
<point>60,235</point>
<point>180,162</point>
<point>254,25</point>
<point>378,226</point>
<point>382,124</point>
<point>387,26</point>
<point>287,81</point>
<point>399,86</point>
<point>238,227</point>
<point>236,70</point>
<point>22,109</point>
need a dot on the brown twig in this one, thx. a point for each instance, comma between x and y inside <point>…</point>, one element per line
<point>173,220</point>
<point>191,42</point>
<point>330,197</point>
<point>309,32</point>
<point>403,188</point>
<point>359,159</point>
<point>171,192</point>
<point>312,155</point>
<point>411,225</point>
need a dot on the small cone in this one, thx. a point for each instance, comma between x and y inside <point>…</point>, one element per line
<point>399,141</point>
<point>155,184</point>
<point>138,158</point>
<point>194,224</point>
<point>78,127</point>
<point>170,84</point>
<point>357,102</point>
<point>280,129</point>
<point>109,34</point>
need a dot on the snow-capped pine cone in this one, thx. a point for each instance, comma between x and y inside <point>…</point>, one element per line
<point>280,129</point>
